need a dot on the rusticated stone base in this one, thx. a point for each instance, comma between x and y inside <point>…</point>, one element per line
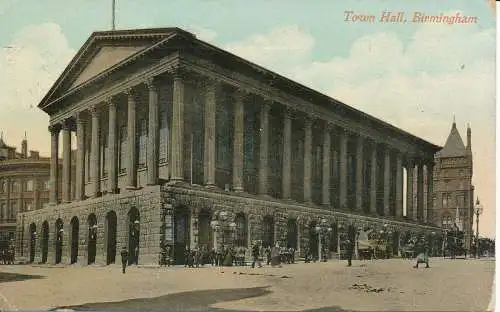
<point>265,219</point>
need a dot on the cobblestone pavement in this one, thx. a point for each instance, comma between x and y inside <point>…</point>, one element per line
<point>449,285</point>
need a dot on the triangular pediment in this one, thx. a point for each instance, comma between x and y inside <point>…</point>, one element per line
<point>105,58</point>
<point>103,51</point>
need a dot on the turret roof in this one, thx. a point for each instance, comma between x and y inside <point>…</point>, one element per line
<point>454,146</point>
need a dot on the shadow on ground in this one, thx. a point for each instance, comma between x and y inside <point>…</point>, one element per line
<point>185,301</point>
<point>14,277</point>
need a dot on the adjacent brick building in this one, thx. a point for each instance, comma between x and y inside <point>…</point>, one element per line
<point>453,189</point>
<point>24,185</point>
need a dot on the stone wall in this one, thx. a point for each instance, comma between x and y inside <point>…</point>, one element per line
<point>147,201</point>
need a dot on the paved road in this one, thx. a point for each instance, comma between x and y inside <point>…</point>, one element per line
<point>391,285</point>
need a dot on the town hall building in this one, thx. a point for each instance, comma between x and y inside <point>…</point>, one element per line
<point>183,144</point>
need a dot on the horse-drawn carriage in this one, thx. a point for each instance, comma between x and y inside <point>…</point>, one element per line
<point>371,246</point>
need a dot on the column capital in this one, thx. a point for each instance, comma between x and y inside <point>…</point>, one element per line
<point>94,110</point>
<point>266,104</point>
<point>55,128</point>
<point>66,124</point>
<point>151,83</point>
<point>177,71</point>
<point>110,101</point>
<point>240,94</point>
<point>79,117</point>
<point>129,92</point>
<point>329,126</point>
<point>308,120</point>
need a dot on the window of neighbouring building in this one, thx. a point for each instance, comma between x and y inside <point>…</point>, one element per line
<point>142,136</point>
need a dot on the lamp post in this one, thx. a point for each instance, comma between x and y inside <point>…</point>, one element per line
<point>339,229</point>
<point>445,238</point>
<point>323,229</point>
<point>433,236</point>
<point>219,224</point>
<point>478,210</point>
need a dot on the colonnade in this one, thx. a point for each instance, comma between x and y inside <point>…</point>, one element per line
<point>356,173</point>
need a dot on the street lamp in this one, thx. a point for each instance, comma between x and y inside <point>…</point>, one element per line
<point>445,239</point>
<point>339,229</point>
<point>478,210</point>
<point>323,229</point>
<point>220,222</point>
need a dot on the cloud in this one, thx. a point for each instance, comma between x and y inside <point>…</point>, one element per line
<point>443,71</point>
<point>28,67</point>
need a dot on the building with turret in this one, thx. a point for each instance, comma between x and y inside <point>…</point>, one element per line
<point>453,189</point>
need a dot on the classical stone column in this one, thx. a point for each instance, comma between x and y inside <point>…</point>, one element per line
<point>112,148</point>
<point>177,140</point>
<point>307,158</point>
<point>153,133</point>
<point>430,189</point>
<point>387,180</point>
<point>343,169</point>
<point>327,150</point>
<point>410,167</point>
<point>80,157</point>
<point>66,176</point>
<point>238,142</point>
<point>36,194</point>
<point>131,141</point>
<point>264,148</point>
<point>373,179</point>
<point>210,133</point>
<point>95,160</point>
<point>54,163</point>
<point>287,154</point>
<point>359,173</point>
<point>420,190</point>
<point>399,185</point>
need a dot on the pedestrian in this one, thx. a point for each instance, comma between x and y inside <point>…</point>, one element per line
<point>422,253</point>
<point>349,251</point>
<point>256,255</point>
<point>124,255</point>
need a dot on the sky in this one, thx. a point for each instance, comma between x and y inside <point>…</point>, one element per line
<point>416,76</point>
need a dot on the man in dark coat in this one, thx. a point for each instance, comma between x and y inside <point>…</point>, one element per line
<point>256,255</point>
<point>349,251</point>
<point>124,255</point>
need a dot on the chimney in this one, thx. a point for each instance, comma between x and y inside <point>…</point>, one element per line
<point>469,146</point>
<point>24,147</point>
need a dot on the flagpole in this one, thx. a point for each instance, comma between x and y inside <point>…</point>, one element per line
<point>113,15</point>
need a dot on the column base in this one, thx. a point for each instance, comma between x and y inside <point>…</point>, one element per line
<point>210,186</point>
<point>238,189</point>
<point>131,188</point>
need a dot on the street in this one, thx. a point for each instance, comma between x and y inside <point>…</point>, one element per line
<point>449,285</point>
